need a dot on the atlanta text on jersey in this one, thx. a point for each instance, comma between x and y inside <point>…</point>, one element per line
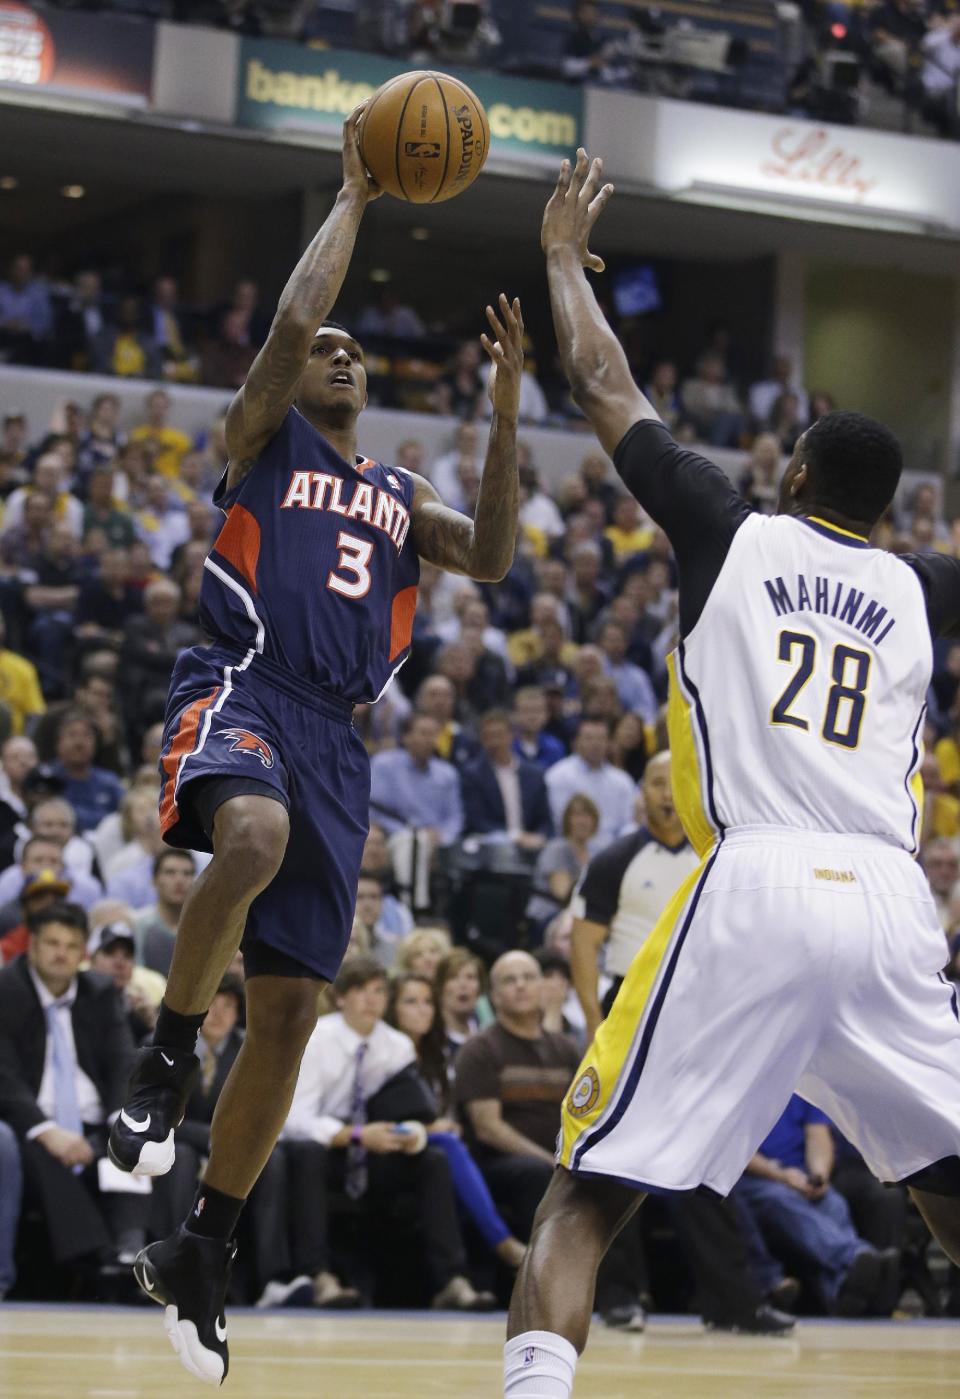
<point>832,599</point>
<point>318,490</point>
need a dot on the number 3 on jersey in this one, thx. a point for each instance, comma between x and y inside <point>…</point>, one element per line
<point>846,701</point>
<point>354,557</point>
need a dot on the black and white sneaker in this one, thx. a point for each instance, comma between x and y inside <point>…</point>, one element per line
<point>141,1139</point>
<point>188,1276</point>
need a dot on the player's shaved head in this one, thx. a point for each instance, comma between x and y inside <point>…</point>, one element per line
<point>846,464</point>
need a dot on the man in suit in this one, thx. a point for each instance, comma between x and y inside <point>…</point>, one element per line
<point>65,1056</point>
<point>503,793</point>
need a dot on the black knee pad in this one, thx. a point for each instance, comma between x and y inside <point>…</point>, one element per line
<point>940,1178</point>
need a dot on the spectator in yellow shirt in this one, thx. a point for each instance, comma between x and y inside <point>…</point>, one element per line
<point>528,646</point>
<point>628,534</point>
<point>19,685</point>
<point>947,751</point>
<point>47,481</point>
<point>125,349</point>
<point>168,443</point>
<point>941,811</point>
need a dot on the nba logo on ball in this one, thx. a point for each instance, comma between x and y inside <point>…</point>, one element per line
<point>584,1094</point>
<point>426,150</point>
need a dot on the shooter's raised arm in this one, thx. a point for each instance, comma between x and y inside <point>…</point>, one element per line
<point>261,405</point>
<point>482,548</point>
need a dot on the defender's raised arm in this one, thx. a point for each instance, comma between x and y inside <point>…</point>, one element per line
<point>261,405</point>
<point>593,359</point>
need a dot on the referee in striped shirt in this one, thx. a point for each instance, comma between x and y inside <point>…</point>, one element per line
<point>625,889</point>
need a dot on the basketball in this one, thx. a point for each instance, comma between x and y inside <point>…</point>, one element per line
<point>424,137</point>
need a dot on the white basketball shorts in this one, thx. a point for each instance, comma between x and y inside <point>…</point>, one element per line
<point>790,961</point>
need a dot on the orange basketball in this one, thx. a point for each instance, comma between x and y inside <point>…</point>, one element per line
<point>424,137</point>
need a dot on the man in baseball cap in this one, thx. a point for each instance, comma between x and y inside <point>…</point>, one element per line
<point>107,939</point>
<point>39,891</point>
<point>112,950</point>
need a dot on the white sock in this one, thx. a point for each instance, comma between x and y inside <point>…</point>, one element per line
<point>538,1365</point>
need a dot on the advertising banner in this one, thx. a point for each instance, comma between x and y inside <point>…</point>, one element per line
<point>807,167</point>
<point>110,59</point>
<point>288,87</point>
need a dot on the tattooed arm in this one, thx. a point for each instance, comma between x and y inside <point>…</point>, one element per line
<point>482,548</point>
<point>262,404</point>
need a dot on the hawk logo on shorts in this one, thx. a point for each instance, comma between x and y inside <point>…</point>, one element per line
<point>246,742</point>
<point>584,1093</point>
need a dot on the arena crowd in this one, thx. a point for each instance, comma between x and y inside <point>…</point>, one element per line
<point>888,63</point>
<point>523,840</point>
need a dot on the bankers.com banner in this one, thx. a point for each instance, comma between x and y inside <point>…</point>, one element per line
<point>107,58</point>
<point>286,87</point>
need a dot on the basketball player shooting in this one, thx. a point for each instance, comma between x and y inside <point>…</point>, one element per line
<point>309,595</point>
<point>805,951</point>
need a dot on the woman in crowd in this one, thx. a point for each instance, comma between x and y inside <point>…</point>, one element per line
<point>458,987</point>
<point>413,1009</point>
<point>628,745</point>
<point>555,993</point>
<point>422,952</point>
<point>786,421</point>
<point>760,483</point>
<point>563,859</point>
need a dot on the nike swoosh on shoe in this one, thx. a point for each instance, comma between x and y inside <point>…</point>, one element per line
<point>135,1126</point>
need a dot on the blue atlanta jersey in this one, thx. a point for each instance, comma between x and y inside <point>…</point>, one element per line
<point>315,568</point>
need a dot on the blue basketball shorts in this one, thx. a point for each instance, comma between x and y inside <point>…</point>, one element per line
<point>229,716</point>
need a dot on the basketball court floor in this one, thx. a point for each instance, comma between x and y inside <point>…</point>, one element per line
<point>113,1353</point>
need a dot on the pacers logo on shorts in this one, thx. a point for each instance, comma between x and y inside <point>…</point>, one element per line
<point>246,742</point>
<point>584,1093</point>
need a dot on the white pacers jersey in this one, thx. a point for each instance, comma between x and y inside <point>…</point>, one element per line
<point>797,700</point>
<point>805,952</point>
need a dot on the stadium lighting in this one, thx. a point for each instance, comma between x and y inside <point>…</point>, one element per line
<point>73,191</point>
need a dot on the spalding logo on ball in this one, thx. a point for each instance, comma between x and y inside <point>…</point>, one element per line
<point>424,137</point>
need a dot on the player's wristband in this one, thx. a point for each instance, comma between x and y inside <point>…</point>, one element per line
<point>356,1135</point>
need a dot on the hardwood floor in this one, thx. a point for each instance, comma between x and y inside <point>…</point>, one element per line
<point>107,1353</point>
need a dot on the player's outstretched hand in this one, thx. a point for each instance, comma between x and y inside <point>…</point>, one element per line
<point>577,202</point>
<point>355,175</point>
<point>506,354</point>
